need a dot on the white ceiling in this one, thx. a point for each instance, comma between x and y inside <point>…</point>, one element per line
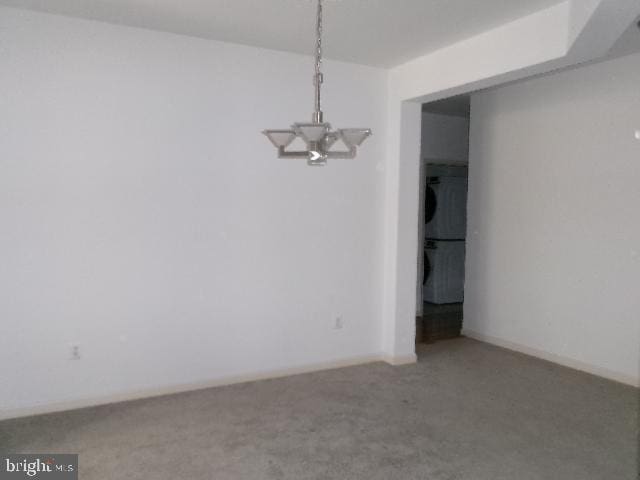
<point>372,32</point>
<point>629,42</point>
<point>459,106</point>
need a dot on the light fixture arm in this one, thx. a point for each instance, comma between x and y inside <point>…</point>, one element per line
<point>318,77</point>
<point>337,155</point>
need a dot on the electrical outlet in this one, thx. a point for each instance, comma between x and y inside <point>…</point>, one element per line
<point>75,352</point>
<point>338,324</point>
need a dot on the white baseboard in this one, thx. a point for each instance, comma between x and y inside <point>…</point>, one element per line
<point>552,357</point>
<point>400,360</point>
<point>169,390</point>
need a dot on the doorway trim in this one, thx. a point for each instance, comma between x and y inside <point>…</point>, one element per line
<point>508,53</point>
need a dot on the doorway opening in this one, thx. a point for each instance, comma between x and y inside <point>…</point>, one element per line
<point>443,218</point>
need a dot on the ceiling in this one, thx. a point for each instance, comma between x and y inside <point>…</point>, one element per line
<point>629,42</point>
<point>459,106</point>
<point>380,33</point>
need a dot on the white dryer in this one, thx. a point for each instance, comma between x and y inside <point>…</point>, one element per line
<point>446,208</point>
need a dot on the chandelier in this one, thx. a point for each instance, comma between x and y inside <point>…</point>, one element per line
<point>317,135</point>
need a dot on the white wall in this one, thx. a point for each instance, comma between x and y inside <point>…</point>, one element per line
<point>144,217</point>
<point>553,252</point>
<point>566,34</point>
<point>445,137</point>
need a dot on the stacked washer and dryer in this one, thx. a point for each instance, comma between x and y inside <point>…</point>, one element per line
<point>445,232</point>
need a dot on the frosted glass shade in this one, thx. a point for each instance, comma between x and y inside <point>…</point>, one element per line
<point>353,137</point>
<point>312,132</point>
<point>330,140</point>
<point>280,138</point>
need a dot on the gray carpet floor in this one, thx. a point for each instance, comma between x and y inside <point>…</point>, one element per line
<point>465,411</point>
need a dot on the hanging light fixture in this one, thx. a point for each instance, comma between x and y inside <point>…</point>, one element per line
<point>317,135</point>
